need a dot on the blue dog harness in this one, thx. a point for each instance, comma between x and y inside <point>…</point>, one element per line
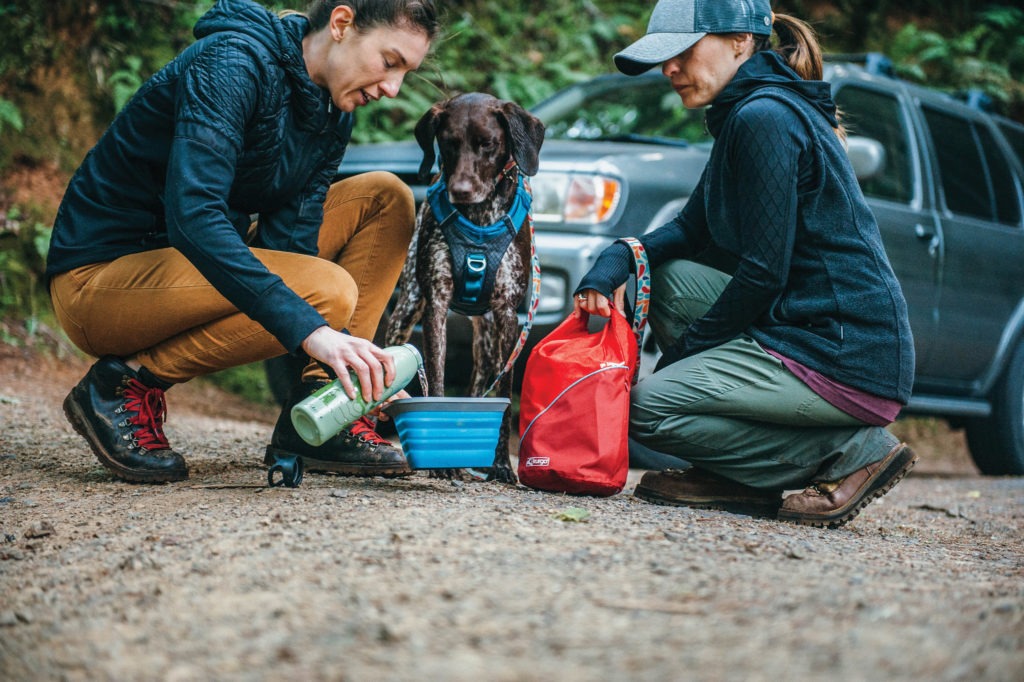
<point>476,250</point>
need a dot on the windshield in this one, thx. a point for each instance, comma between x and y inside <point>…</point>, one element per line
<point>643,109</point>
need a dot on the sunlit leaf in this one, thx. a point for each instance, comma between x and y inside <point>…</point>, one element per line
<point>573,515</point>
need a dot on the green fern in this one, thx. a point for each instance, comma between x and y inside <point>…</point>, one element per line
<point>988,56</point>
<point>10,116</point>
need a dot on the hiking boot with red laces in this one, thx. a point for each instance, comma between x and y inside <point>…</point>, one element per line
<point>357,451</point>
<point>833,503</point>
<point>122,420</point>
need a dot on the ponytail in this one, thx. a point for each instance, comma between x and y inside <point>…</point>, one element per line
<point>798,46</point>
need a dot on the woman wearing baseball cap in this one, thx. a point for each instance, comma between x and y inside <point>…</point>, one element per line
<point>783,372</point>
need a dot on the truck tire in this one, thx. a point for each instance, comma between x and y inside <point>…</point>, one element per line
<point>997,441</point>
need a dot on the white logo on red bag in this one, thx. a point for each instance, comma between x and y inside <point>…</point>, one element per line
<point>538,461</point>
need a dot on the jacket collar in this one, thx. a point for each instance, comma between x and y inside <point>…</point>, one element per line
<point>768,69</point>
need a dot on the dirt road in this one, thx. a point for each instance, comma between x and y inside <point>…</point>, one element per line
<point>221,577</point>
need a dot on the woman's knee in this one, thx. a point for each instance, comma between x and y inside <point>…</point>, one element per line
<point>373,208</point>
<point>389,192</point>
<point>398,206</point>
<point>688,280</point>
<point>330,289</point>
<point>682,291</point>
<point>392,188</point>
<point>645,415</point>
<point>61,289</point>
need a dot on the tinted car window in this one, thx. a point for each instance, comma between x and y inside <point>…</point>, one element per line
<point>876,115</point>
<point>973,171</point>
<point>647,110</point>
<point>1015,136</point>
<point>1001,178</point>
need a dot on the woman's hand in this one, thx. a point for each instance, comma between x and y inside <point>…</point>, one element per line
<point>341,352</point>
<point>379,412</point>
<point>596,303</point>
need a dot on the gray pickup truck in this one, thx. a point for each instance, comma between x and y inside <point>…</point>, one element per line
<point>944,179</point>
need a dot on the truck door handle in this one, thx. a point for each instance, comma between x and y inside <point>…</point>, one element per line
<point>923,233</point>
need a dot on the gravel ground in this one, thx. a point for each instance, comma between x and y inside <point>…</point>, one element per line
<point>221,577</point>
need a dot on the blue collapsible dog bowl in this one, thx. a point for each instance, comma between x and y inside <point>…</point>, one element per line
<point>448,433</point>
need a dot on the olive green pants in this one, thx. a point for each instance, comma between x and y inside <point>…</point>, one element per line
<point>155,307</point>
<point>735,410</point>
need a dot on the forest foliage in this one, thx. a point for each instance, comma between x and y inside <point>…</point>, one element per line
<point>66,68</point>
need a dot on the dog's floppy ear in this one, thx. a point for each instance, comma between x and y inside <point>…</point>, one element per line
<point>525,133</point>
<point>426,130</point>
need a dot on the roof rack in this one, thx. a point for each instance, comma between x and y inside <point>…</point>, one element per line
<point>976,99</point>
<point>874,62</point>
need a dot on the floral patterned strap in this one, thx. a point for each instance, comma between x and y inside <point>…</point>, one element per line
<point>642,302</point>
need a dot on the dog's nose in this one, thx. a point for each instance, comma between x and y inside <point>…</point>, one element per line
<point>464,193</point>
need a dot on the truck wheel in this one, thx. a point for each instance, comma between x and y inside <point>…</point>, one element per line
<point>997,441</point>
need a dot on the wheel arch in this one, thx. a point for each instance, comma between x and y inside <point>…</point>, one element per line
<point>1012,336</point>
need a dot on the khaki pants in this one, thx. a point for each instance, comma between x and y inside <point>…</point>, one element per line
<point>735,410</point>
<point>155,307</point>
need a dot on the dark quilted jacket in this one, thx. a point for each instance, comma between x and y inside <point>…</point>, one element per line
<point>232,128</point>
<point>813,281</point>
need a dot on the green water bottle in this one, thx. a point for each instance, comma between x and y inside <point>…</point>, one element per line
<point>328,410</point>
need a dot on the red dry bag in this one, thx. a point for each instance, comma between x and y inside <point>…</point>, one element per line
<point>574,404</point>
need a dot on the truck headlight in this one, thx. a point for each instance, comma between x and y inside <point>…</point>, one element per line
<point>574,197</point>
<point>552,293</point>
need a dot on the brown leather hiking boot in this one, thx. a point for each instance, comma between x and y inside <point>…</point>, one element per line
<point>357,451</point>
<point>122,420</point>
<point>833,503</point>
<point>702,489</point>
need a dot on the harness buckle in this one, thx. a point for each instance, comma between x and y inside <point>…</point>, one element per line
<point>476,262</point>
<point>473,280</point>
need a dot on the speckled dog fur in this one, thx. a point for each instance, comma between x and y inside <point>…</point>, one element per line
<point>476,136</point>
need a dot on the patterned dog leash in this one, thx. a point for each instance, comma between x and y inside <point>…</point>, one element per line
<point>642,302</point>
<point>641,306</point>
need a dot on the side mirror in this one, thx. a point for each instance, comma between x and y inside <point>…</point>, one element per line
<point>867,156</point>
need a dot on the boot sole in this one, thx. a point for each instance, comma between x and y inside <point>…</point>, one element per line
<point>902,461</point>
<point>766,509</point>
<point>81,425</point>
<point>339,468</point>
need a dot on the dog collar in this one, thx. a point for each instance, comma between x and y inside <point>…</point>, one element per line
<point>445,212</point>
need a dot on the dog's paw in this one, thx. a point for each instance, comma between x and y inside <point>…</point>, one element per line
<point>450,474</point>
<point>502,474</point>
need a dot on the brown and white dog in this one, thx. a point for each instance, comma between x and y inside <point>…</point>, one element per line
<point>485,145</point>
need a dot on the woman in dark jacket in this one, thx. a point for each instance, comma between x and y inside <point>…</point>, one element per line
<point>782,373</point>
<point>203,232</point>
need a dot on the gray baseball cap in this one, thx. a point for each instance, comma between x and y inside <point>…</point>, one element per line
<point>677,24</point>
